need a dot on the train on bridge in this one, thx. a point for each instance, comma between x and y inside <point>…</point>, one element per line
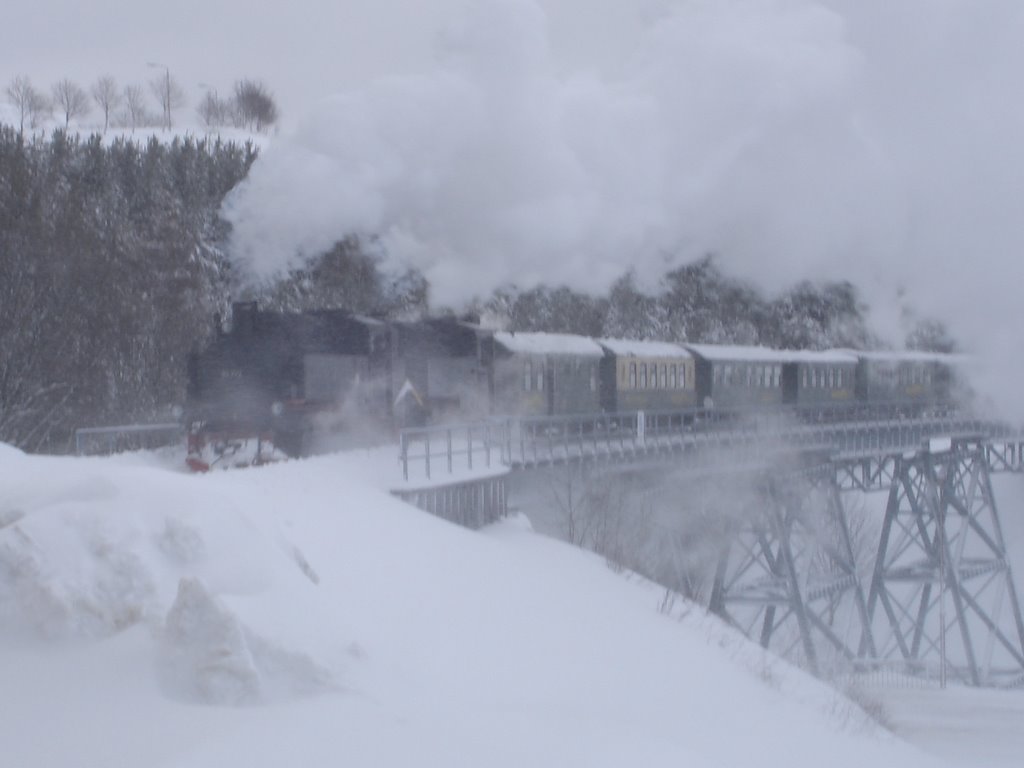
<point>288,380</point>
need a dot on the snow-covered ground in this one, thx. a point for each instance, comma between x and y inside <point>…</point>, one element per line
<point>964,726</point>
<point>297,614</point>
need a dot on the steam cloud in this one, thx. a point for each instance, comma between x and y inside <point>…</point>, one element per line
<point>857,139</point>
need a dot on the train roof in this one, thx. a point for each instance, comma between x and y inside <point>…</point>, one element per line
<point>909,356</point>
<point>633,348</point>
<point>733,353</point>
<point>549,344</point>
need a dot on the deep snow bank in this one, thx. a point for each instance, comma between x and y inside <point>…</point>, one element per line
<point>133,596</point>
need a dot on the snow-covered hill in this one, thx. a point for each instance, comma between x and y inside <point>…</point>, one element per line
<point>299,615</point>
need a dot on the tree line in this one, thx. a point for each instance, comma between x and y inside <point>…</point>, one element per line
<point>250,105</point>
<point>111,262</point>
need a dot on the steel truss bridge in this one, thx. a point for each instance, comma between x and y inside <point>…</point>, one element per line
<point>934,596</point>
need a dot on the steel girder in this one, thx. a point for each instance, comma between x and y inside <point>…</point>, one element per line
<point>865,473</point>
<point>941,577</point>
<point>1005,455</point>
<point>788,575</point>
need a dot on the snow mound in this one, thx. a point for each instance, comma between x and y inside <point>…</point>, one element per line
<point>89,548</point>
<point>208,656</point>
<point>107,591</point>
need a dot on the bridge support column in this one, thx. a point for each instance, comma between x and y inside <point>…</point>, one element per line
<point>942,578</point>
<point>788,574</point>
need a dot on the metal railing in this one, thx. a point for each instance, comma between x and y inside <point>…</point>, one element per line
<point>101,441</point>
<point>746,433</point>
<point>454,447</point>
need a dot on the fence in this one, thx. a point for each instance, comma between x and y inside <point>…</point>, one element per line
<point>102,441</point>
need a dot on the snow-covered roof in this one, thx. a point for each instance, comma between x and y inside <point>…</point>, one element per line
<point>908,356</point>
<point>731,353</point>
<point>630,347</point>
<point>549,344</point>
<point>826,357</point>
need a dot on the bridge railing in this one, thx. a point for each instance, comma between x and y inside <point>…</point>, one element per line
<point>882,427</point>
<point>453,448</point>
<point>534,441</point>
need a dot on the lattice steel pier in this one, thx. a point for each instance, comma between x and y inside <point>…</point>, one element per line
<point>942,592</point>
<point>788,575</point>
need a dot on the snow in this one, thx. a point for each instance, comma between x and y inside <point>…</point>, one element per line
<point>548,344</point>
<point>910,356</point>
<point>765,355</point>
<point>631,348</point>
<point>963,725</point>
<point>297,614</point>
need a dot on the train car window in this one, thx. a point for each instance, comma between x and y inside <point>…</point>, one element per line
<point>632,375</point>
<point>777,377</point>
<point>527,375</point>
<point>540,377</point>
<point>593,377</point>
<point>643,375</point>
<point>664,376</point>
<point>682,376</point>
<point>673,376</point>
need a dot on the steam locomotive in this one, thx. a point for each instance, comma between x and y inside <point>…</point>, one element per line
<point>286,382</point>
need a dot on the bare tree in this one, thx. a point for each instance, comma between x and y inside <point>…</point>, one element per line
<point>26,99</point>
<point>70,99</point>
<point>134,106</point>
<point>40,108</point>
<point>254,105</point>
<point>169,94</point>
<point>107,97</point>
<point>213,110</point>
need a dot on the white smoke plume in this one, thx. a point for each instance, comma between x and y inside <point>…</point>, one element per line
<point>563,142</point>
